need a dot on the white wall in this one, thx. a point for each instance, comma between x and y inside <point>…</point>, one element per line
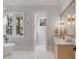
<point>27,42</point>
<point>53,18</point>
<point>64,4</point>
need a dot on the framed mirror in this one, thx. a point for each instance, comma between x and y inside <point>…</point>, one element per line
<point>68,16</point>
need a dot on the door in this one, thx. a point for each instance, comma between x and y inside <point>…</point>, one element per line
<point>41,32</point>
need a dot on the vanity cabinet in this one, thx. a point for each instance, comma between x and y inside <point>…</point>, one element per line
<point>64,51</point>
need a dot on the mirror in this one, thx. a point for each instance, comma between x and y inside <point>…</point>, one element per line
<point>68,16</point>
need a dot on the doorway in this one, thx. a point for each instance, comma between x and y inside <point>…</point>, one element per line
<point>40,30</point>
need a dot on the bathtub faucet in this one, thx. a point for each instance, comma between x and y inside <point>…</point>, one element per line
<point>5,38</point>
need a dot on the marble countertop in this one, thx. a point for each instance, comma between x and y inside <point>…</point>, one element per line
<point>60,41</point>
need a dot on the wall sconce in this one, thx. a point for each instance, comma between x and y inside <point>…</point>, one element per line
<point>71,19</point>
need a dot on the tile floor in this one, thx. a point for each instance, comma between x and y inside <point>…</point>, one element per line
<point>38,54</point>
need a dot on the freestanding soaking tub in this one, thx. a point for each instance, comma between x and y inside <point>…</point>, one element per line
<point>8,48</point>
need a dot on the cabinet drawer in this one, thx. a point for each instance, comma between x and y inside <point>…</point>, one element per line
<point>66,52</point>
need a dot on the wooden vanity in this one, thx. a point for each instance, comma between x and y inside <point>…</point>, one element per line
<point>64,50</point>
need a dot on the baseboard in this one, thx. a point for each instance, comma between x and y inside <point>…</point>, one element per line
<point>24,48</point>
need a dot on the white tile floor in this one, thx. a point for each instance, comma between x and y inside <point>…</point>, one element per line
<point>40,47</point>
<point>37,54</point>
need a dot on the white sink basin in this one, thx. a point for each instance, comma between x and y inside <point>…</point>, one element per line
<point>60,41</point>
<point>69,41</point>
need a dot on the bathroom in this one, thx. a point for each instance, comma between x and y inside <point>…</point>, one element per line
<point>20,29</point>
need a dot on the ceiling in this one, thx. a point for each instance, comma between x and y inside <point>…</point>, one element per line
<point>32,2</point>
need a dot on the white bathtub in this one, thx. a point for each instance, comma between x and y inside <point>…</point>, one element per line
<point>8,48</point>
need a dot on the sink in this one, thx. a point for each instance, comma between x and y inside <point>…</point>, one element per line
<point>69,40</point>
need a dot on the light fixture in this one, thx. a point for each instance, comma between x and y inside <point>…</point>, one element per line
<point>71,19</point>
<point>61,27</point>
<point>61,23</point>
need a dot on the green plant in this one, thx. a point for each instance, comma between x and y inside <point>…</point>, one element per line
<point>9,26</point>
<point>19,29</point>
